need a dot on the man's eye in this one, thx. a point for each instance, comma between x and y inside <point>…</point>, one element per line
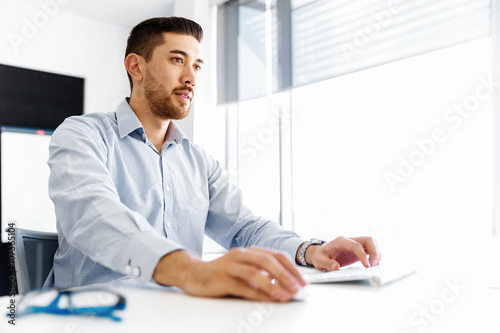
<point>197,68</point>
<point>179,60</point>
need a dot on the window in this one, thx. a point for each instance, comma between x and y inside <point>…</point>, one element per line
<point>331,38</point>
<point>377,111</point>
<point>397,147</point>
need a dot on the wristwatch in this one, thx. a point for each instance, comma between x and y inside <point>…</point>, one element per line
<point>305,245</point>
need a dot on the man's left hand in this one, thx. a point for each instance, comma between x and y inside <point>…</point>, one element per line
<point>344,251</point>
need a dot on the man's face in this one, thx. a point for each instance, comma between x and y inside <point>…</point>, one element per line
<point>171,76</point>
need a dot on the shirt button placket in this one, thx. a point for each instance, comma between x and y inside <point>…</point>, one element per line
<point>167,196</point>
<point>168,199</point>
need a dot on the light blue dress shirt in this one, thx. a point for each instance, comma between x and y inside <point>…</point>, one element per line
<point>121,205</point>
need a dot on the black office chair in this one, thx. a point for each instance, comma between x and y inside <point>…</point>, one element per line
<point>34,258</point>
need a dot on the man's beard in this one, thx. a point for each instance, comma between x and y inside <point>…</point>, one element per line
<point>161,104</point>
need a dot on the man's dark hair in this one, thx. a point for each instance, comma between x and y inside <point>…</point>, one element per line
<point>148,34</point>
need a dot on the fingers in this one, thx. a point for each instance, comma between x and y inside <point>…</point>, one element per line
<point>258,282</point>
<point>286,262</point>
<point>239,288</point>
<point>372,249</point>
<point>345,251</point>
<point>348,244</point>
<point>324,262</point>
<point>260,267</point>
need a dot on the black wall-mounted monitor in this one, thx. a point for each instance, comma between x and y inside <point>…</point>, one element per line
<point>36,99</point>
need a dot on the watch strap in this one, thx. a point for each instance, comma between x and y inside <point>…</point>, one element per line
<point>303,248</point>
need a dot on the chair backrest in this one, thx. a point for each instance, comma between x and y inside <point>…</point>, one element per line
<point>34,258</point>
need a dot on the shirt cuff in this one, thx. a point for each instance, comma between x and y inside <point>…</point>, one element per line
<point>143,253</point>
<point>290,246</point>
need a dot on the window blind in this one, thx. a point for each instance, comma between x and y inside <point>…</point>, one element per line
<point>335,37</point>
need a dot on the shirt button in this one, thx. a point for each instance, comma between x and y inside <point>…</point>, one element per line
<point>167,188</point>
<point>136,271</point>
<point>128,269</point>
<point>168,224</point>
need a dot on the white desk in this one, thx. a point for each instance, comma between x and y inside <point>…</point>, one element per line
<point>345,307</point>
<point>421,303</point>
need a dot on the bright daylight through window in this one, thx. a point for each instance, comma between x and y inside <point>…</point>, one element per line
<point>378,121</point>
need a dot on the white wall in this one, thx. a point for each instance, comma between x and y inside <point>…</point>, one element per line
<point>48,39</point>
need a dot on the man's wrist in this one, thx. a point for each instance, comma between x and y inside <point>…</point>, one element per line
<point>174,268</point>
<point>309,254</point>
<point>304,256</point>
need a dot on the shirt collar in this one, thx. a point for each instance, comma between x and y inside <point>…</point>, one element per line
<point>128,123</point>
<point>127,120</point>
<point>175,135</point>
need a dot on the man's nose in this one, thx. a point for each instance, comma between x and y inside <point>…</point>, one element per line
<point>189,76</point>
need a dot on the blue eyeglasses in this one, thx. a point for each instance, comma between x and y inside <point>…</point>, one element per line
<point>90,302</point>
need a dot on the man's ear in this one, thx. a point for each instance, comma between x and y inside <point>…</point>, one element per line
<point>133,66</point>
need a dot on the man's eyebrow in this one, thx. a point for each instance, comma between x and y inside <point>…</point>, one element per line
<point>185,55</point>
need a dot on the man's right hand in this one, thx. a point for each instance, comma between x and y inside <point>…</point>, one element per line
<point>252,273</point>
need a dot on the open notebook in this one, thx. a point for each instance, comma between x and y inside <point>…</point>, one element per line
<point>376,276</point>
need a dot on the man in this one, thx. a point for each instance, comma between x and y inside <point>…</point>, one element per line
<point>134,197</point>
